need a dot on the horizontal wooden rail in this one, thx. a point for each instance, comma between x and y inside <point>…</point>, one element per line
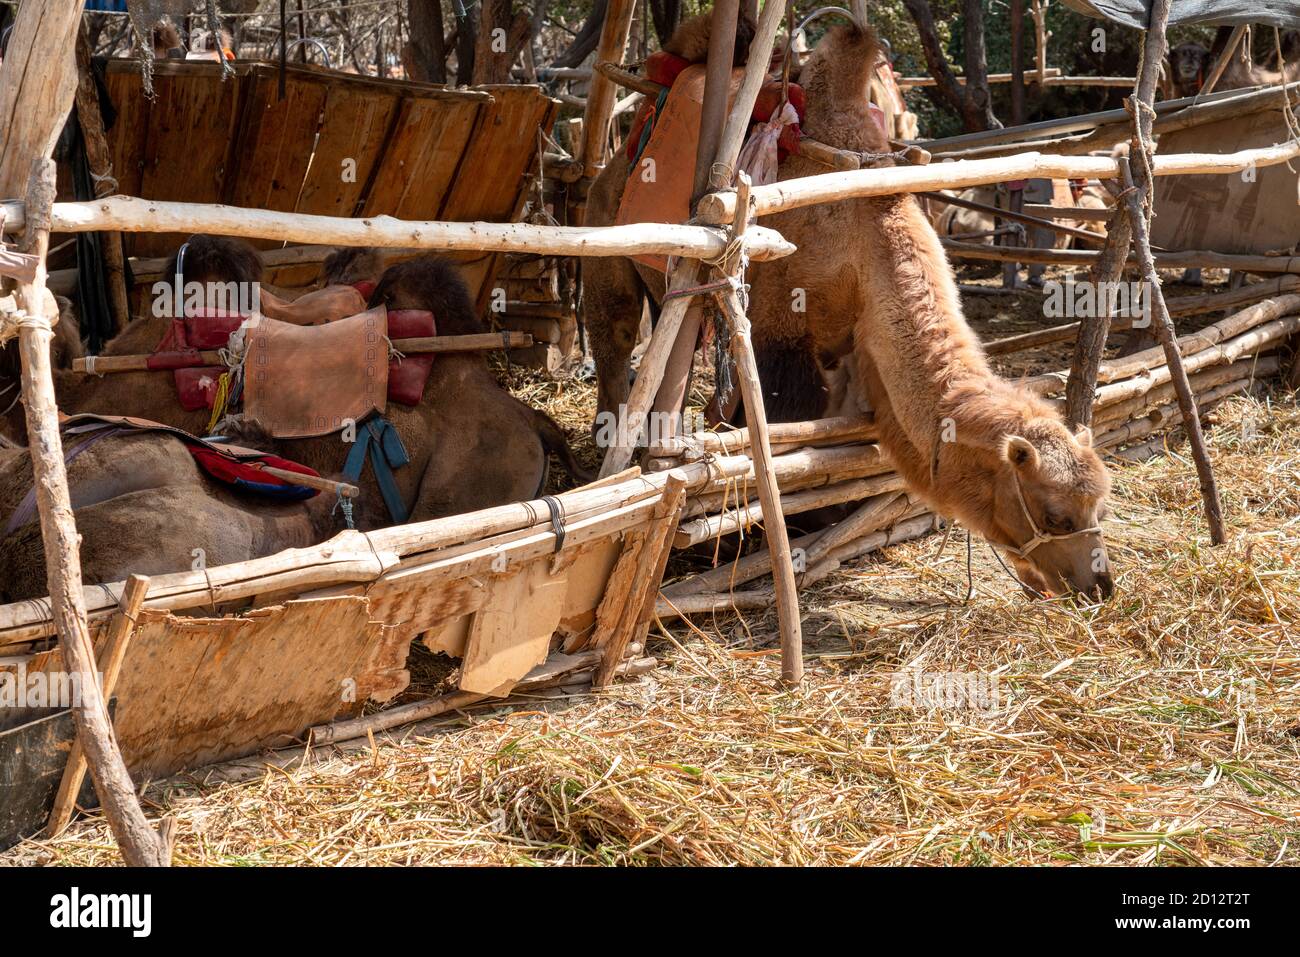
<point>850,184</point>
<point>129,214</point>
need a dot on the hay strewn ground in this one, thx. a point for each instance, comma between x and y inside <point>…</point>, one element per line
<point>1163,727</point>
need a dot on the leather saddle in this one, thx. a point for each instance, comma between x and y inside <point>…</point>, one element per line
<point>302,381</point>
<point>316,308</point>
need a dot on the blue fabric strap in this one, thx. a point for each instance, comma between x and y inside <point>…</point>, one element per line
<point>379,442</point>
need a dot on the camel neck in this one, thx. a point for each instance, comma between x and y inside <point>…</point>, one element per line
<point>929,360</point>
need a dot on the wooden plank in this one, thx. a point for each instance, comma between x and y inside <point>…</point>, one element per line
<point>275,143</point>
<point>192,122</point>
<point>358,118</point>
<point>109,657</point>
<point>128,138</point>
<point>502,150</point>
<point>639,600</point>
<point>511,634</point>
<point>420,162</point>
<point>201,690</point>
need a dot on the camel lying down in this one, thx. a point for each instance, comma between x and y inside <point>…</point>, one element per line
<point>142,505</point>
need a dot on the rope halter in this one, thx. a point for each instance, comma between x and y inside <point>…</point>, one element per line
<point>1041,537</point>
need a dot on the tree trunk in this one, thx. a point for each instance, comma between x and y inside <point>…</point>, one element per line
<point>466,42</point>
<point>588,36</point>
<point>666,14</point>
<point>977,112</point>
<point>971,102</point>
<point>502,34</point>
<point>428,54</point>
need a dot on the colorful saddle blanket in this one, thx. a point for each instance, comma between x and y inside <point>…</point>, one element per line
<point>233,465</point>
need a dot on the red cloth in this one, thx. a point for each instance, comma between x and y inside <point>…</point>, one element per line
<point>197,386</point>
<point>663,69</point>
<point>244,473</point>
<point>407,376</point>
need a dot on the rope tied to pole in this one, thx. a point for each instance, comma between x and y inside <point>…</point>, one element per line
<point>13,323</point>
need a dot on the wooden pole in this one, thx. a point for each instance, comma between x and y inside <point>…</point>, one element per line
<point>1225,58</point>
<point>600,95</point>
<point>742,108</point>
<point>1011,270</point>
<point>769,493</point>
<point>1134,198</point>
<point>111,655</point>
<point>100,160</point>
<point>718,208</point>
<point>149,216</point>
<point>717,87</point>
<point>654,361</point>
<point>37,82</point>
<point>640,605</point>
<point>136,839</point>
<point>1081,389</point>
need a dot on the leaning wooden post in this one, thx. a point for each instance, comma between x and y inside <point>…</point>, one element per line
<point>769,493</point>
<point>1134,198</point>
<point>1082,385</point>
<point>111,655</point>
<point>650,374</point>
<point>600,95</point>
<point>136,839</point>
<point>717,88</point>
<point>742,108</point>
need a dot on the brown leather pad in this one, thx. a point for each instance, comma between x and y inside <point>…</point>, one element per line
<point>316,308</point>
<point>302,381</point>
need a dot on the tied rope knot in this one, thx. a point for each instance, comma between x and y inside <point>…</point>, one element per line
<point>13,323</point>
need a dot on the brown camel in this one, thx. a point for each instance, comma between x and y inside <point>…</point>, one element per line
<point>1188,65</point>
<point>873,280</point>
<point>143,506</point>
<point>969,443</point>
<point>471,444</point>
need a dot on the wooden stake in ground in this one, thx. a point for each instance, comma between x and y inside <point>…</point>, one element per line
<point>769,493</point>
<point>136,839</point>
<point>1164,331</point>
<point>110,666</point>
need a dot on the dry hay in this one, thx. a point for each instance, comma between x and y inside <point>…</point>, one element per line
<point>1160,728</point>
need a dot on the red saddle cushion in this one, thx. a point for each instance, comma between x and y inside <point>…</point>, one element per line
<point>196,386</point>
<point>408,375</point>
<point>210,329</point>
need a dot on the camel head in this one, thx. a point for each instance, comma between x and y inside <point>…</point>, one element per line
<point>836,80</point>
<point>353,265</point>
<point>431,283</point>
<point>690,40</point>
<point>1048,495</point>
<point>1187,66</point>
<point>216,259</point>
